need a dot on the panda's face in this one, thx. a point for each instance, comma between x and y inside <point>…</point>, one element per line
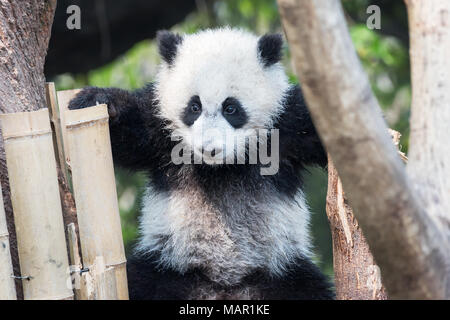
<point>218,86</point>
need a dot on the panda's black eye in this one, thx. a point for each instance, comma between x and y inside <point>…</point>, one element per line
<point>229,109</point>
<point>195,107</point>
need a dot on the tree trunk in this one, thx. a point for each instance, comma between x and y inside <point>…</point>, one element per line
<point>429,148</point>
<point>409,246</point>
<point>25,28</point>
<point>356,274</point>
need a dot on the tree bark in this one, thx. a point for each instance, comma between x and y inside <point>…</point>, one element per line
<point>409,246</point>
<point>356,275</point>
<point>429,149</point>
<point>25,28</point>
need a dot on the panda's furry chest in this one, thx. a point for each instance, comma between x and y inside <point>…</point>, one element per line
<point>227,238</point>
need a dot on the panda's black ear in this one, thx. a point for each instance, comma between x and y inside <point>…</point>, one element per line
<point>167,44</point>
<point>269,49</point>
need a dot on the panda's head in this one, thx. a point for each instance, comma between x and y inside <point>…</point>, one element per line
<point>219,83</point>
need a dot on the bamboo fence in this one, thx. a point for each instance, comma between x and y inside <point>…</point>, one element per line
<point>78,143</point>
<point>36,204</point>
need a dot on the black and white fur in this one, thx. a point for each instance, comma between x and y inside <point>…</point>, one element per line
<point>217,231</point>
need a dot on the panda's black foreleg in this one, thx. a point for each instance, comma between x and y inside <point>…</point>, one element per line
<point>302,280</point>
<point>136,133</point>
<point>299,142</point>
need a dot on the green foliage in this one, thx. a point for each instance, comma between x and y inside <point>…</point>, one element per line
<point>130,188</point>
<point>259,16</point>
<point>384,58</point>
<point>315,183</point>
<point>386,62</point>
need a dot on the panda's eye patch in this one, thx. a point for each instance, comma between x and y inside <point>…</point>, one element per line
<point>234,113</point>
<point>192,111</point>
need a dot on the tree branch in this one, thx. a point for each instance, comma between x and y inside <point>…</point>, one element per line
<point>405,242</point>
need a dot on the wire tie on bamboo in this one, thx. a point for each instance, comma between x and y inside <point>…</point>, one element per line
<point>28,278</point>
<point>81,271</point>
<point>84,270</point>
<point>111,265</point>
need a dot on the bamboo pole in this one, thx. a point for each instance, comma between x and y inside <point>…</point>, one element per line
<point>55,118</point>
<point>64,180</point>
<point>96,200</point>
<point>64,97</point>
<point>75,262</point>
<point>7,286</point>
<point>36,204</point>
<point>66,189</point>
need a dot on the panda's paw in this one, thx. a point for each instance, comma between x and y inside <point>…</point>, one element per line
<point>92,96</point>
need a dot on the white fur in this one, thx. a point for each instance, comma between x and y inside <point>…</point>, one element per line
<point>268,234</point>
<point>217,64</point>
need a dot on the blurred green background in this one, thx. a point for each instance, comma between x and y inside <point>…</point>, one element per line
<point>383,55</point>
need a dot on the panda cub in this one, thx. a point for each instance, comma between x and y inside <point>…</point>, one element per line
<point>209,228</point>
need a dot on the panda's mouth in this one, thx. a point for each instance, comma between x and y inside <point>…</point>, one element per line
<point>213,156</point>
<point>213,152</point>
